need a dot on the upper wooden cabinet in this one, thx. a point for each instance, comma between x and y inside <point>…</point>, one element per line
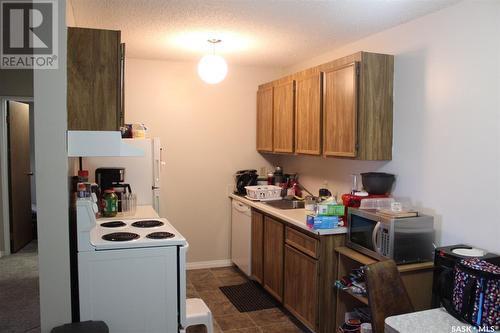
<point>265,119</point>
<point>283,115</point>
<point>342,108</point>
<point>340,111</point>
<point>308,114</point>
<point>94,97</point>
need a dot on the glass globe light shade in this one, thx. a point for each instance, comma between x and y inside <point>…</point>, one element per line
<point>212,69</point>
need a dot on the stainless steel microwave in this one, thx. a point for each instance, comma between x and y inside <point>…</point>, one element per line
<point>405,240</point>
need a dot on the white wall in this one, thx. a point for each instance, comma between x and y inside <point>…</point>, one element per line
<point>208,132</point>
<point>446,121</point>
<point>52,187</point>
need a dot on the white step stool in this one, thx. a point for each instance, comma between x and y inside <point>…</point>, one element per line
<point>198,313</point>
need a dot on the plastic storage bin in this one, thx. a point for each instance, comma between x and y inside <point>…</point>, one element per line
<point>376,203</point>
<point>263,192</point>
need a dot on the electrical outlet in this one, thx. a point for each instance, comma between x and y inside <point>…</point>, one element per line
<point>263,171</point>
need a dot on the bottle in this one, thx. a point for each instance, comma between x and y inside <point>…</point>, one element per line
<point>270,178</point>
<point>278,176</point>
<point>83,176</point>
<point>109,204</point>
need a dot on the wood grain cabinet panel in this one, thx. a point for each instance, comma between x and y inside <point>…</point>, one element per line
<point>94,81</point>
<point>301,286</point>
<point>273,257</point>
<point>340,111</point>
<point>302,242</point>
<point>257,246</point>
<point>265,119</point>
<point>342,108</point>
<point>308,115</point>
<point>283,115</point>
<point>299,269</point>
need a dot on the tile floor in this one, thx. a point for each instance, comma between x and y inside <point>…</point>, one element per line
<point>205,283</point>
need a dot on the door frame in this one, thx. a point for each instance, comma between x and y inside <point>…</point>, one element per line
<point>4,166</point>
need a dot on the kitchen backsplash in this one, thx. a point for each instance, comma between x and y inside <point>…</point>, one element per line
<point>314,171</point>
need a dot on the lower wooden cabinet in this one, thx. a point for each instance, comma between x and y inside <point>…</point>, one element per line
<point>257,246</point>
<point>298,268</point>
<point>301,286</point>
<point>273,257</point>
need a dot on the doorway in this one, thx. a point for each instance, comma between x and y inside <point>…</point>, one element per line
<point>19,282</point>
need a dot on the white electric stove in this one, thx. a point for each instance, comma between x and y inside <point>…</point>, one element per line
<point>145,232</point>
<point>131,272</point>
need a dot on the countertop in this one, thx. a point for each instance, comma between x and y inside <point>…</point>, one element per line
<point>142,212</point>
<point>428,321</point>
<point>296,217</point>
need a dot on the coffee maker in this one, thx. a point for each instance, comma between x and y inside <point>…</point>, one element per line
<point>113,179</point>
<point>244,178</point>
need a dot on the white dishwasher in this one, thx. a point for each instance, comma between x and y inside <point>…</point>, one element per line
<point>241,236</point>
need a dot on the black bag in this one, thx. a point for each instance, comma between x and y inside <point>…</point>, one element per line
<point>474,296</point>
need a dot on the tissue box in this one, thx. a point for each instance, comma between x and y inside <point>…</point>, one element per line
<point>330,210</point>
<point>322,222</point>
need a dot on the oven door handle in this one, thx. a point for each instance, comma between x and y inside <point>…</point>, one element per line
<point>375,239</point>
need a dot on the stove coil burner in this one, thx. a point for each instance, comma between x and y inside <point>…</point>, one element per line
<point>147,224</point>
<point>120,236</point>
<point>160,235</point>
<point>113,224</point>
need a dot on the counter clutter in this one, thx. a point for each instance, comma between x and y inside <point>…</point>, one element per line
<point>297,217</point>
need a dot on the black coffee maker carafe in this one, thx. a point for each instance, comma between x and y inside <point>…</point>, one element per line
<point>113,179</point>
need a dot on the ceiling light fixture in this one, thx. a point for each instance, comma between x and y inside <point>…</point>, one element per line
<point>212,68</point>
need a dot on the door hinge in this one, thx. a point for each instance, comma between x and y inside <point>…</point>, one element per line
<point>357,70</point>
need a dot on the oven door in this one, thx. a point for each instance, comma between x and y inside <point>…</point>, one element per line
<point>364,233</point>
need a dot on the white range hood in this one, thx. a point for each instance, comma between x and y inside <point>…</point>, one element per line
<point>99,144</point>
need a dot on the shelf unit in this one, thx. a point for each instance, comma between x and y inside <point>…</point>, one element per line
<point>417,279</point>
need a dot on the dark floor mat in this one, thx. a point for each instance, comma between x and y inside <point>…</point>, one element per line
<point>248,297</point>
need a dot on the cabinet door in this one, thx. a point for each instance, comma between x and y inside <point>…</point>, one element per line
<point>308,115</point>
<point>257,246</point>
<point>283,113</point>
<point>265,119</point>
<point>301,286</point>
<point>340,111</point>
<point>94,79</point>
<point>273,257</point>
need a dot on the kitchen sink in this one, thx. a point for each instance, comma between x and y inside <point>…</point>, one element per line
<point>286,204</point>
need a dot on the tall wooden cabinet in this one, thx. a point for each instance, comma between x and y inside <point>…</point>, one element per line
<point>95,79</point>
<point>308,96</point>
<point>273,257</point>
<point>283,115</point>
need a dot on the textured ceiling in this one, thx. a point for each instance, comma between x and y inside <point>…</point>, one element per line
<point>258,32</point>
